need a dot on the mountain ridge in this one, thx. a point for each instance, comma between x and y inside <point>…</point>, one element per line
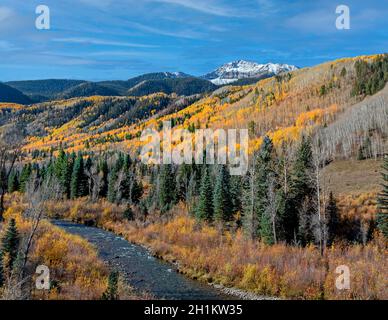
<point>241,69</point>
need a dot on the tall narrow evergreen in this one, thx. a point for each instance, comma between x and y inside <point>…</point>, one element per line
<point>301,192</point>
<point>264,169</point>
<point>222,202</point>
<point>13,182</point>
<point>382,214</point>
<point>25,176</point>
<point>204,209</point>
<point>63,168</point>
<point>332,216</point>
<point>166,187</point>
<point>10,244</point>
<point>78,187</point>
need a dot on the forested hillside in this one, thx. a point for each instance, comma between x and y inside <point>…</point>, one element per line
<point>281,229</point>
<point>9,94</point>
<point>57,89</point>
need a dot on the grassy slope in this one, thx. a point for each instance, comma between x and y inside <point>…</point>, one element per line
<point>352,177</point>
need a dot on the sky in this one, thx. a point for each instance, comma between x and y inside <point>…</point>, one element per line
<point>118,39</point>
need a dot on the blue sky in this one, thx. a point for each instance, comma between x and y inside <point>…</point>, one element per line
<point>119,39</point>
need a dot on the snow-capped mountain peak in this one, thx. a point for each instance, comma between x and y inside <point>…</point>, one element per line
<point>241,69</point>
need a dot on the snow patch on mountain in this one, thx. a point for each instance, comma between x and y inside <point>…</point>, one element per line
<point>240,69</point>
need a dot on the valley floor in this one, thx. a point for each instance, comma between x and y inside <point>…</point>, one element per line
<point>207,254</point>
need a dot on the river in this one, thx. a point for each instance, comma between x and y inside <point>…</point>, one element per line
<point>140,269</point>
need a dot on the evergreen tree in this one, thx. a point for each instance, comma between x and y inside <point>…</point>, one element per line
<point>182,181</point>
<point>236,193</point>
<point>264,170</point>
<point>136,191</point>
<point>115,191</point>
<point>13,182</point>
<point>166,187</point>
<point>299,206</point>
<point>128,213</point>
<point>25,176</point>
<point>10,244</point>
<point>333,220</point>
<point>204,209</point>
<point>127,162</point>
<point>111,293</point>
<point>222,203</point>
<point>382,214</point>
<point>62,170</point>
<point>78,186</point>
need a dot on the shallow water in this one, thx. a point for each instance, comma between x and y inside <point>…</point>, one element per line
<point>142,271</point>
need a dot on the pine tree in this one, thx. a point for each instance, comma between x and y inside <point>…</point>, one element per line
<point>78,186</point>
<point>25,176</point>
<point>128,213</point>
<point>115,191</point>
<point>236,193</point>
<point>301,192</point>
<point>111,293</point>
<point>136,191</point>
<point>62,169</point>
<point>333,220</point>
<point>382,214</point>
<point>10,244</point>
<point>265,169</point>
<point>13,182</point>
<point>222,203</point>
<point>204,209</point>
<point>166,187</point>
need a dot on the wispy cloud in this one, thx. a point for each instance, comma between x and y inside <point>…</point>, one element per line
<point>188,34</point>
<point>5,13</point>
<point>206,6</point>
<point>95,41</point>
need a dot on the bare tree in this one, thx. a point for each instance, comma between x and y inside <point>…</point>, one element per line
<point>318,221</point>
<point>273,205</point>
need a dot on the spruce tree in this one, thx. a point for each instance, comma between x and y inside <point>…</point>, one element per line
<point>166,187</point>
<point>62,169</point>
<point>333,220</point>
<point>10,244</point>
<point>222,203</point>
<point>382,201</point>
<point>13,182</point>
<point>136,191</point>
<point>204,209</point>
<point>128,213</point>
<point>78,187</point>
<point>264,169</point>
<point>299,208</point>
<point>111,293</point>
<point>25,176</point>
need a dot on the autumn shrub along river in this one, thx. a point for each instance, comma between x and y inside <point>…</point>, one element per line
<point>76,271</point>
<point>209,254</point>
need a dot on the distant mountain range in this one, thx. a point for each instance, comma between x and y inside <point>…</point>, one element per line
<point>238,72</point>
